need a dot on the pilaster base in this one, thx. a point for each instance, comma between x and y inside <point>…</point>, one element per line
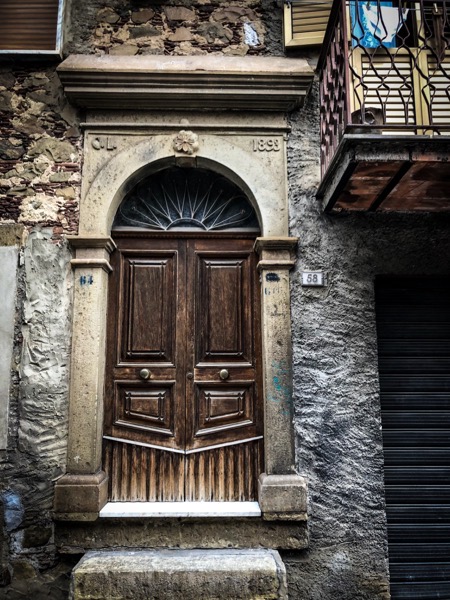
<point>283,497</point>
<point>80,497</point>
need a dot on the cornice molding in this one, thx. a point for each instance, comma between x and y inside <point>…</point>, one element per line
<point>253,83</point>
<point>276,244</point>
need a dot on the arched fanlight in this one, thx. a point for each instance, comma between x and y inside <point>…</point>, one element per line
<point>180,198</point>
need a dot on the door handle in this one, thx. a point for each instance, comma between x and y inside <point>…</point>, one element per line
<point>224,374</point>
<point>144,374</point>
<point>190,375</point>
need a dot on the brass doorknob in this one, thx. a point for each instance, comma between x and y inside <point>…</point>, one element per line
<point>224,374</point>
<point>144,374</point>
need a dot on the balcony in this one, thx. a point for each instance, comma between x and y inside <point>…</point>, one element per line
<point>385,106</point>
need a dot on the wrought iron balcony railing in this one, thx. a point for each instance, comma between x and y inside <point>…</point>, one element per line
<point>384,70</point>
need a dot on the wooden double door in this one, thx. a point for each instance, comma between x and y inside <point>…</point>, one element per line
<point>183,392</point>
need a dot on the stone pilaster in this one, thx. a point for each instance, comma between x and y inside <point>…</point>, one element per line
<point>83,488</point>
<point>282,493</point>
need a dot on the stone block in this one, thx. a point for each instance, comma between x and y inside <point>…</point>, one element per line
<point>142,15</point>
<point>179,13</point>
<point>80,497</point>
<point>57,150</point>
<point>188,574</point>
<point>283,497</point>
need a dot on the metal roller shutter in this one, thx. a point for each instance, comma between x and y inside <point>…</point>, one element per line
<point>413,325</point>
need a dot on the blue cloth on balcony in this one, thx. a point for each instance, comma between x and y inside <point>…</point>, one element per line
<point>375,23</point>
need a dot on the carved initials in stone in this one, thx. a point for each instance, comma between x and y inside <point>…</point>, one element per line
<point>100,143</point>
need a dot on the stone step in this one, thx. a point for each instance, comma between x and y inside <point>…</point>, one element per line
<point>180,575</point>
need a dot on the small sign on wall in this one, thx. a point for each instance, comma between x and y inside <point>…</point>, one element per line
<point>314,279</point>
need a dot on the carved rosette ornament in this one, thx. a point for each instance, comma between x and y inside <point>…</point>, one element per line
<point>186,142</point>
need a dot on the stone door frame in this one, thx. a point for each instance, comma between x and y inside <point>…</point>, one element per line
<point>81,493</point>
<point>248,146</point>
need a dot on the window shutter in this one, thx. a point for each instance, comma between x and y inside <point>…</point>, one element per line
<point>29,25</point>
<point>305,22</point>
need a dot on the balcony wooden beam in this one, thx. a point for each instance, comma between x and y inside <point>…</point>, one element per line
<point>388,173</point>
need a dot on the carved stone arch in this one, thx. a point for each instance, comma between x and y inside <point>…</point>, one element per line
<point>82,492</point>
<point>265,189</point>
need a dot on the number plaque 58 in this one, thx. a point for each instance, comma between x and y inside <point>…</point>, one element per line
<point>313,279</point>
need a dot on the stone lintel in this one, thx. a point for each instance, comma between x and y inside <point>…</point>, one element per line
<point>283,497</point>
<point>186,82</point>
<point>80,497</point>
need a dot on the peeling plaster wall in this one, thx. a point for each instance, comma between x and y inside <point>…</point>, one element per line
<point>37,440</point>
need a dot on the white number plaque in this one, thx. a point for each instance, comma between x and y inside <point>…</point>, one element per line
<point>314,279</point>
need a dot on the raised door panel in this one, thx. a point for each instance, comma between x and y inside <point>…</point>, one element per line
<point>145,408</point>
<point>149,304</point>
<point>223,410</point>
<point>222,293</point>
<point>223,407</point>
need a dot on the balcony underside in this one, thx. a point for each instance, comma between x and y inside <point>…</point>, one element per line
<point>388,173</point>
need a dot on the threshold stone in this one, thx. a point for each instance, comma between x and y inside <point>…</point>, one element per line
<point>184,574</point>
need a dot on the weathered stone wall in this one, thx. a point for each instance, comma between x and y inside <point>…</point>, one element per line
<point>337,417</point>
<point>40,158</point>
<point>179,27</point>
<point>337,406</point>
<point>40,164</point>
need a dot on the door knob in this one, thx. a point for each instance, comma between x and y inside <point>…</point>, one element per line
<point>224,374</point>
<point>190,375</point>
<point>144,374</point>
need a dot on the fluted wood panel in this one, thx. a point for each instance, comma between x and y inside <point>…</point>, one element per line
<point>141,474</point>
<point>227,474</point>
<point>28,24</point>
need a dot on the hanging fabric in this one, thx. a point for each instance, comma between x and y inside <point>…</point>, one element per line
<point>376,23</point>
